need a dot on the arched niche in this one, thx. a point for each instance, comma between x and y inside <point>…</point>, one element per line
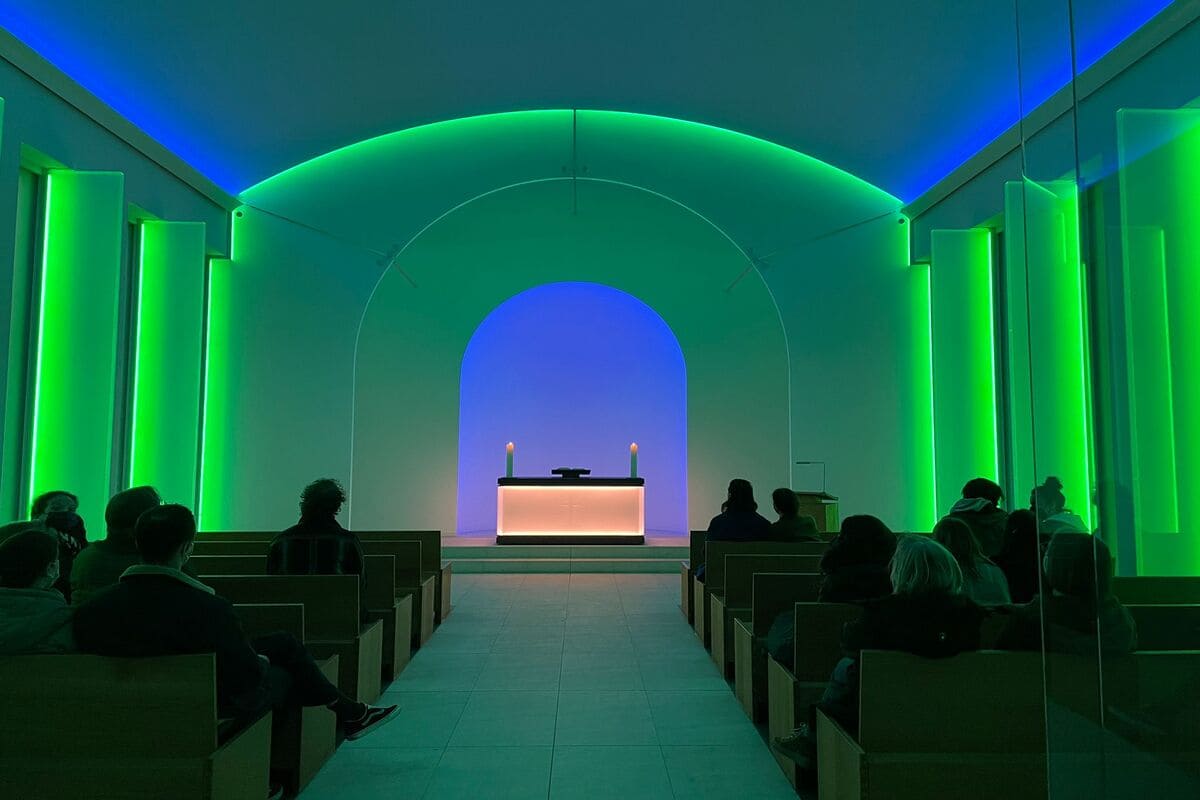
<point>418,324</point>
<point>573,373</point>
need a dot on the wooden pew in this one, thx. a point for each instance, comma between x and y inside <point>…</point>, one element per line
<point>332,621</point>
<point>714,573</point>
<point>117,728</point>
<point>302,740</point>
<point>818,648</point>
<point>230,547</point>
<point>1167,627</point>
<point>431,563</point>
<point>772,594</point>
<point>735,599</point>
<point>983,713</point>
<point>687,573</point>
<point>383,602</point>
<point>410,581</point>
<point>1157,591</point>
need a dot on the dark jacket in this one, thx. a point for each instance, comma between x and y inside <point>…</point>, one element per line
<point>738,526</point>
<point>99,566</point>
<point>319,547</point>
<point>800,528</point>
<point>156,611</point>
<point>985,520</point>
<point>1071,627</point>
<point>34,621</point>
<point>854,583</point>
<point>932,625</point>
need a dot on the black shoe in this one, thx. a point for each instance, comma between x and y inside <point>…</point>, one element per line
<point>799,747</point>
<point>376,717</point>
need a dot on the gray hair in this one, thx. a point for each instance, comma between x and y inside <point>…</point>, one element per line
<point>920,564</point>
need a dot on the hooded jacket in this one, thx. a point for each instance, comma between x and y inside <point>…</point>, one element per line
<point>985,520</point>
<point>34,621</point>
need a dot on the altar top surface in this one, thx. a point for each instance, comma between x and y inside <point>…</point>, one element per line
<point>573,482</point>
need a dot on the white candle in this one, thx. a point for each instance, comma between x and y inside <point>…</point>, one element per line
<point>633,460</point>
<point>508,460</point>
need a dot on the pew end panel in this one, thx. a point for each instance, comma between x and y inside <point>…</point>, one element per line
<point>782,714</point>
<point>360,660</point>
<point>743,671</point>
<point>445,595</point>
<point>685,591</point>
<point>841,776</point>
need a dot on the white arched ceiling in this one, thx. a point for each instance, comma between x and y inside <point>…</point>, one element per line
<point>825,250</point>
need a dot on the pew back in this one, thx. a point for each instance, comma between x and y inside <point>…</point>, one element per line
<point>408,555</point>
<point>231,547</point>
<point>75,697</point>
<point>1167,627</point>
<point>818,643</point>
<point>331,602</point>
<point>236,536</point>
<point>696,549</point>
<point>1157,591</point>
<point>234,564</point>
<point>431,544</point>
<point>775,593</point>
<point>379,573</point>
<point>715,553</point>
<point>259,619</point>
<point>741,569</point>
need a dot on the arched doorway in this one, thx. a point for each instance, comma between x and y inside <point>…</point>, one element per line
<point>573,373</point>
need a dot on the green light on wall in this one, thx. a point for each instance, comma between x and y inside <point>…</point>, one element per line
<point>1159,160</point>
<point>922,443</point>
<point>218,385</point>
<point>1049,359</point>
<point>166,391</point>
<point>75,354</point>
<point>966,424</point>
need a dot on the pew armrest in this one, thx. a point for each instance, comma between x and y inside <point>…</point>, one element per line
<point>841,761</point>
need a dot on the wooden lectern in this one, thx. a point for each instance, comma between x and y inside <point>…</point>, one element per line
<point>821,506</point>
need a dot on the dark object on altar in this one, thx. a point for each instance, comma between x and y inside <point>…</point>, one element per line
<point>570,473</point>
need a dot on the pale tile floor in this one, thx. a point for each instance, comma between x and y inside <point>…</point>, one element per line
<point>559,686</point>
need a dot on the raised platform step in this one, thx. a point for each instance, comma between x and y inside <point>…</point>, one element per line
<point>479,558</point>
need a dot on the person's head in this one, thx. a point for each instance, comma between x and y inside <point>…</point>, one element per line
<point>1048,499</point>
<point>863,539</point>
<point>956,536</point>
<point>322,498</point>
<point>786,503</point>
<point>921,565</point>
<point>165,535</point>
<point>1078,565</point>
<point>56,500</point>
<point>29,560</point>
<point>741,496</point>
<point>121,514</point>
<point>1021,533</point>
<point>983,489</point>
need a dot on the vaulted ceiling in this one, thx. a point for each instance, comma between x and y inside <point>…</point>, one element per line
<point>897,93</point>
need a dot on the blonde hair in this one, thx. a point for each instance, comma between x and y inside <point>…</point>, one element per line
<point>920,564</point>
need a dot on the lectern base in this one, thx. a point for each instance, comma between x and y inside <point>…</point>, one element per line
<point>570,538</point>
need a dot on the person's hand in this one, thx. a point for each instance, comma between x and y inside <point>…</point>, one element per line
<point>266,661</point>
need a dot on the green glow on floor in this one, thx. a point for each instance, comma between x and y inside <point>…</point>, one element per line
<point>166,392</point>
<point>966,425</point>
<point>75,352</point>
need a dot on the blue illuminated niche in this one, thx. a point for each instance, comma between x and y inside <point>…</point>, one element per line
<point>572,373</point>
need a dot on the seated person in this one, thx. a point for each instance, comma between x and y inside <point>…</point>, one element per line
<point>317,544</point>
<point>1020,558</point>
<point>855,570</point>
<point>55,511</point>
<point>102,563</point>
<point>983,581</point>
<point>158,610</point>
<point>1078,605</point>
<point>1050,505</point>
<point>980,509</point>
<point>34,616</point>
<point>928,616</point>
<point>739,520</point>
<point>792,526</point>
<point>855,567</point>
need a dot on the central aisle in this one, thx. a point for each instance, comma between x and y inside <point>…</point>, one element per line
<point>559,686</point>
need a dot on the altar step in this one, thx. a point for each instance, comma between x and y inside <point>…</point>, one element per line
<point>564,558</point>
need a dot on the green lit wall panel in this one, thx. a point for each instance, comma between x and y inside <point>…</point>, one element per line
<point>219,391</point>
<point>964,370</point>
<point>1159,160</point>
<point>1049,373</point>
<point>921,445</point>
<point>166,371</point>
<point>75,357</point>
